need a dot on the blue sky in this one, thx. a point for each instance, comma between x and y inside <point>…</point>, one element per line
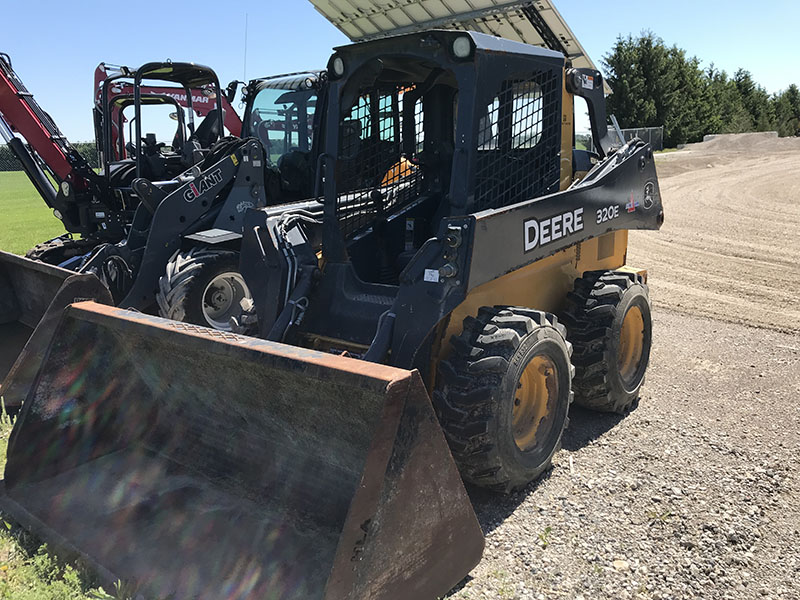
<point>56,45</point>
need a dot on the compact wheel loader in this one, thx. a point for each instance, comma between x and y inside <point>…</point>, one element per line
<point>464,280</point>
<point>179,254</point>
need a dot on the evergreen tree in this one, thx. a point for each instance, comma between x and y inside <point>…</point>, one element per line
<point>656,86</point>
<point>756,100</point>
<point>787,111</point>
<point>727,112</point>
<point>659,86</point>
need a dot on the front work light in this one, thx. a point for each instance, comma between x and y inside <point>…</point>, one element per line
<point>462,47</point>
<point>338,66</point>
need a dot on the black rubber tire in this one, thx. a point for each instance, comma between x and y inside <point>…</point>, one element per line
<point>476,391</point>
<point>60,249</point>
<point>181,288</point>
<point>593,316</point>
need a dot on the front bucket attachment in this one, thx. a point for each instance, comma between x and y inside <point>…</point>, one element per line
<point>32,297</point>
<point>26,289</point>
<point>194,463</point>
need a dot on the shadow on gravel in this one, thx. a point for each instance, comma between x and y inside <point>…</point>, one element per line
<point>460,586</point>
<point>585,426</point>
<point>493,508</point>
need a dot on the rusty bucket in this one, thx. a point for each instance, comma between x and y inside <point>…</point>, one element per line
<point>199,464</point>
<point>32,297</point>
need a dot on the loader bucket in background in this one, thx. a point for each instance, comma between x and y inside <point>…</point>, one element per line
<point>26,289</point>
<point>202,464</point>
<point>32,297</point>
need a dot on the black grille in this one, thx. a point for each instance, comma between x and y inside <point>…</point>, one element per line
<point>376,170</point>
<point>519,143</point>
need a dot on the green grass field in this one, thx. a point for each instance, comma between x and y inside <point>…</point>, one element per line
<point>26,220</point>
<point>28,571</point>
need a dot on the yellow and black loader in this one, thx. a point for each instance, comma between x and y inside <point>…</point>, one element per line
<point>463,280</point>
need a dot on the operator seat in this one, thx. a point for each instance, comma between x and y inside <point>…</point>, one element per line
<point>208,130</point>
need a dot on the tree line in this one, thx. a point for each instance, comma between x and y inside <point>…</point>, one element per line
<point>659,86</point>
<point>9,162</point>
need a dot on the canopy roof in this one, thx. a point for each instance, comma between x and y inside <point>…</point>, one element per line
<point>535,22</point>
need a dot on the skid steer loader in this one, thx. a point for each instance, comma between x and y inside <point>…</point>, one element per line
<point>409,336</point>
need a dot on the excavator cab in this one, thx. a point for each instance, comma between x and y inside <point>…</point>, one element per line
<point>141,155</point>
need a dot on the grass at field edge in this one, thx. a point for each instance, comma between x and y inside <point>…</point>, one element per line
<point>26,220</point>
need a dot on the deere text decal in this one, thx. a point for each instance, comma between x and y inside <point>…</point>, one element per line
<point>539,232</point>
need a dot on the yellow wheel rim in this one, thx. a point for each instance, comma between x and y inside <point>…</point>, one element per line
<point>631,344</point>
<point>534,404</point>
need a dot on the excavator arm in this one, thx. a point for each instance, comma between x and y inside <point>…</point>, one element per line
<point>48,151</point>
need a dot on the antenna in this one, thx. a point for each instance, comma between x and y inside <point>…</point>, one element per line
<point>245,47</point>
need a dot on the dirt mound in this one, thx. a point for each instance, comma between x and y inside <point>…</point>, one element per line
<point>728,249</point>
<point>725,149</point>
<point>753,143</point>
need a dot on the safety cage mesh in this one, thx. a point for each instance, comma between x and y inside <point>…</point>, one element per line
<point>376,169</point>
<point>519,142</point>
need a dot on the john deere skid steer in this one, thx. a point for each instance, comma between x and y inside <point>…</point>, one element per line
<point>464,280</point>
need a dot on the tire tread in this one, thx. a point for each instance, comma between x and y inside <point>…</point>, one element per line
<point>465,397</point>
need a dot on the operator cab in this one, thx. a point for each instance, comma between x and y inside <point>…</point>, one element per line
<point>152,147</point>
<point>281,113</point>
<point>161,109</point>
<point>434,131</point>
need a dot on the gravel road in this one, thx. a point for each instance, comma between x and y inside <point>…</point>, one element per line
<point>696,493</point>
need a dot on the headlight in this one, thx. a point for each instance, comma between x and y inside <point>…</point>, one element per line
<point>338,66</point>
<point>462,47</point>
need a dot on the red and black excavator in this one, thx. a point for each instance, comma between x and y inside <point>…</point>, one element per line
<point>164,219</point>
<point>97,206</point>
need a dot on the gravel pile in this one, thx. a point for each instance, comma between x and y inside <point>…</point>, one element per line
<point>694,495</point>
<point>750,143</point>
<point>729,245</point>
